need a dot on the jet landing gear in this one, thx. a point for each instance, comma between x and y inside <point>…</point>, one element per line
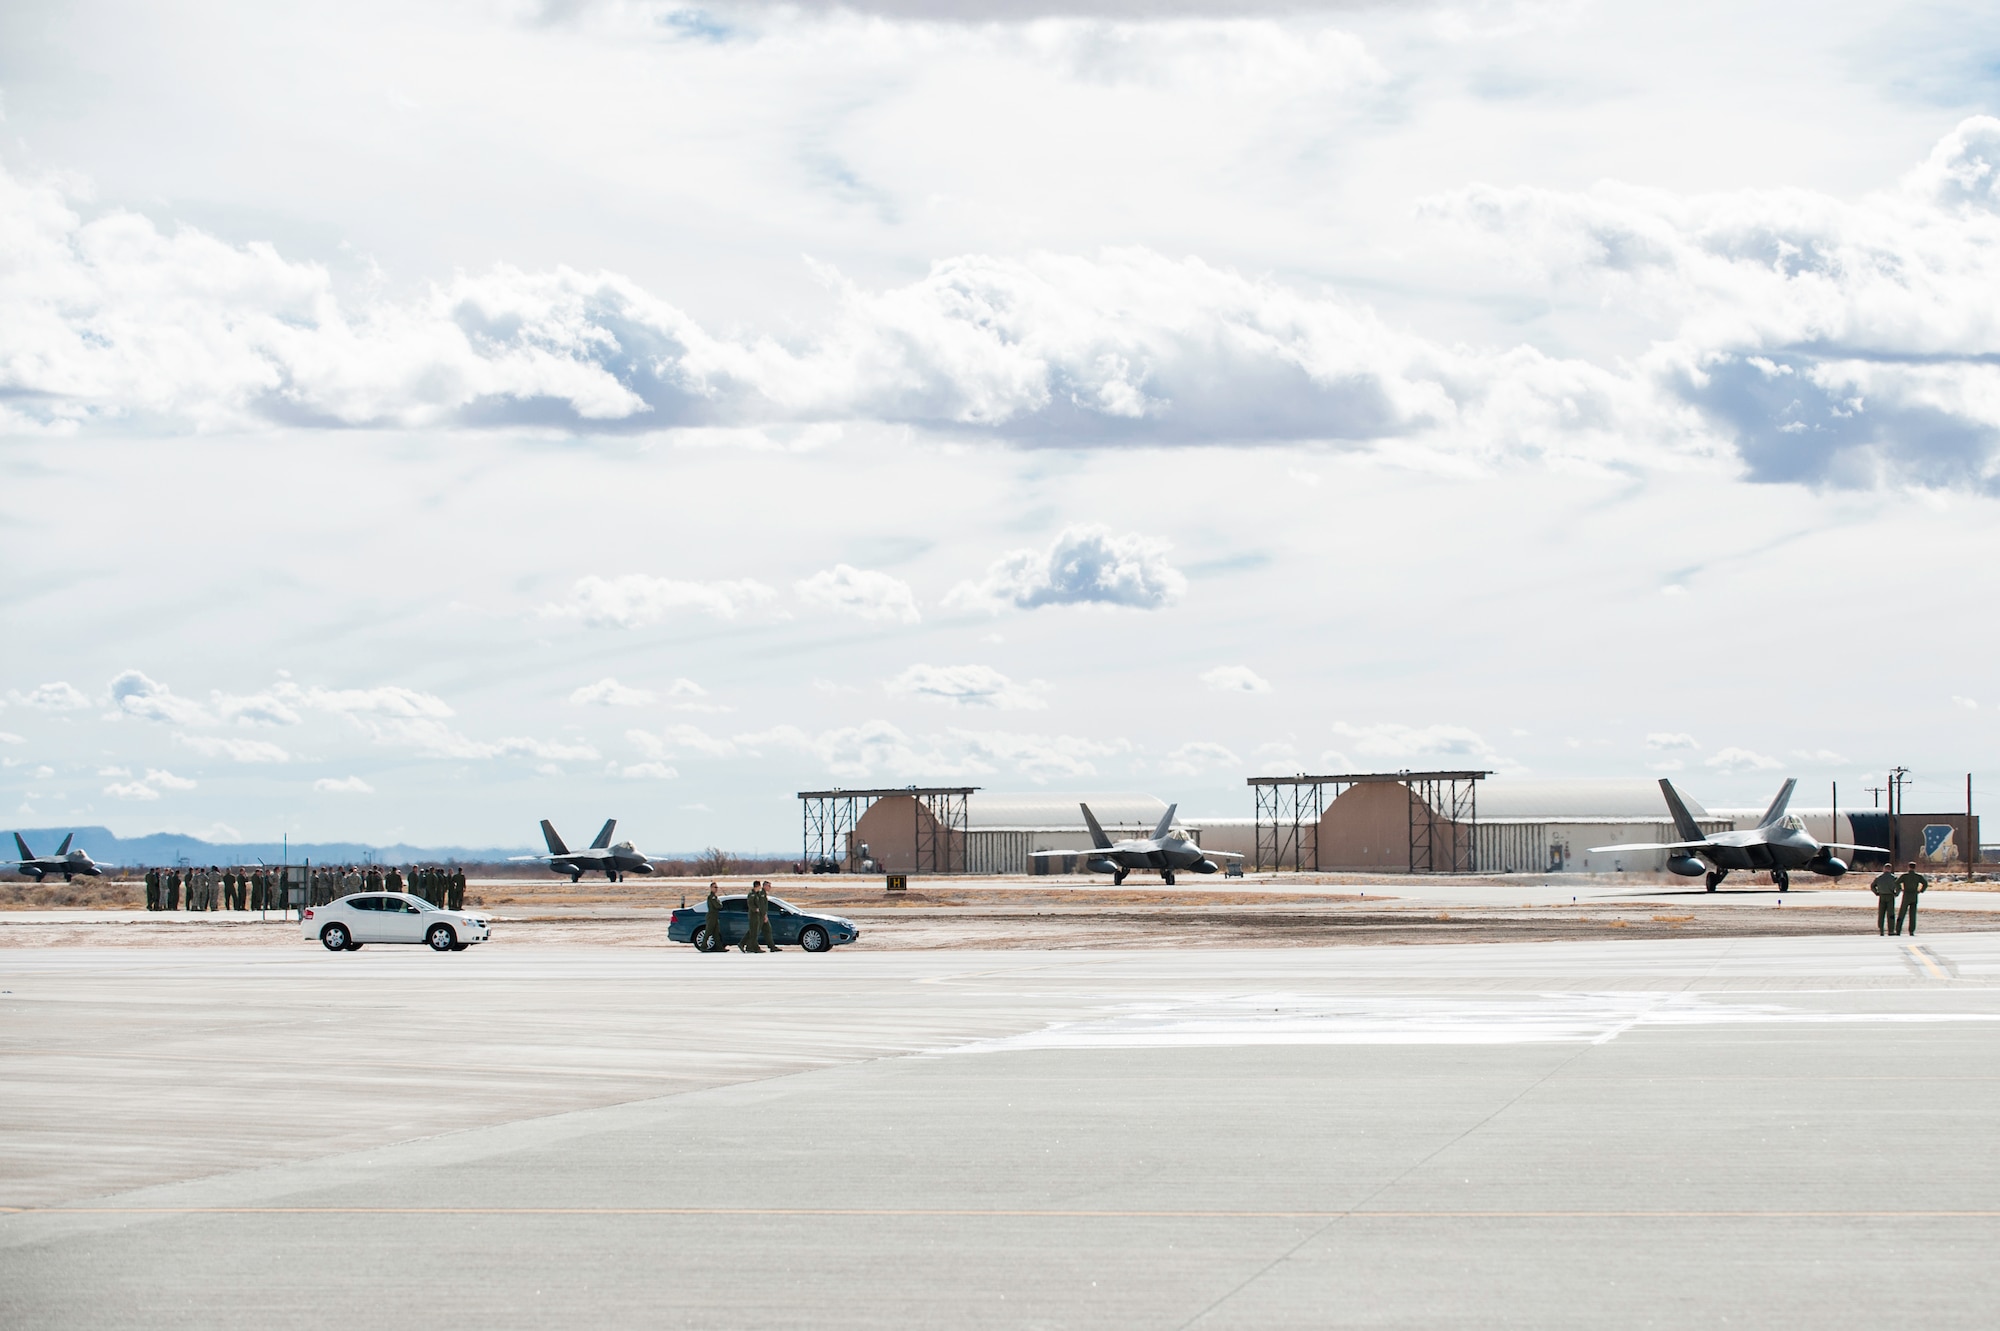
<point>1168,875</point>
<point>1782,878</point>
<point>1715,877</point>
<point>1118,878</point>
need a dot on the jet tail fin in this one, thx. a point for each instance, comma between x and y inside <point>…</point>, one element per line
<point>1166,823</point>
<point>1684,822</point>
<point>1097,837</point>
<point>556,847</point>
<point>22,846</point>
<point>63,849</point>
<point>1777,809</point>
<point>604,834</point>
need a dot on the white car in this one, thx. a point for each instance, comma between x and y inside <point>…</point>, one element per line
<point>391,917</point>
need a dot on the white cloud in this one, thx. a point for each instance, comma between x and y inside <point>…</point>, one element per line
<point>1741,760</point>
<point>1235,679</point>
<point>879,748</point>
<point>969,686</point>
<point>608,692</point>
<point>637,601</point>
<point>648,772</point>
<point>58,696</point>
<point>1824,757</point>
<point>131,790</point>
<point>1968,704</point>
<point>167,780</point>
<point>1664,739</point>
<point>1400,742</point>
<point>1086,565</point>
<point>387,700</point>
<point>236,750</point>
<point>349,785</point>
<point>861,592</point>
<point>114,771</point>
<point>44,772</point>
<point>677,739</point>
<point>253,709</point>
<point>135,694</point>
<point>1193,758</point>
<point>9,737</point>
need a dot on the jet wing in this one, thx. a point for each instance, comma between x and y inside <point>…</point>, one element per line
<point>1081,850</point>
<point>513,858</point>
<point>1219,854</point>
<point>1842,845</point>
<point>1656,845</point>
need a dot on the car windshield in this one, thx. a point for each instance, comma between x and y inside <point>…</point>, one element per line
<point>784,906</point>
<point>419,903</point>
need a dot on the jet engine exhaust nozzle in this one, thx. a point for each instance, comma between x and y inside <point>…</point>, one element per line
<point>1687,866</point>
<point>1101,866</point>
<point>1831,866</point>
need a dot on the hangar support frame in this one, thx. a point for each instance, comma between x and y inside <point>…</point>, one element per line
<point>830,817</point>
<point>1289,809</point>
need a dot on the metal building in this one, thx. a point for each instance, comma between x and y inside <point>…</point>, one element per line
<point>966,830</point>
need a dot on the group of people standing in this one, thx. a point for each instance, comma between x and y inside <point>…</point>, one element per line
<point>756,925</point>
<point>263,888</point>
<point>1890,918</point>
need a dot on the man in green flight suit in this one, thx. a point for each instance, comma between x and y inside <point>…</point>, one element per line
<point>1885,887</point>
<point>1913,883</point>
<point>457,901</point>
<point>715,943</point>
<point>764,918</point>
<point>750,921</point>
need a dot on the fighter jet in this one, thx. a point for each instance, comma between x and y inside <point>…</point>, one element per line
<point>1162,851</point>
<point>65,861</point>
<point>1779,842</point>
<point>614,862</point>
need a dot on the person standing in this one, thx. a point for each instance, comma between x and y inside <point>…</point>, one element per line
<point>1913,885</point>
<point>374,880</point>
<point>457,889</point>
<point>715,943</point>
<point>394,882</point>
<point>152,889</point>
<point>764,917</point>
<point>754,926</point>
<point>173,886</point>
<point>350,882</point>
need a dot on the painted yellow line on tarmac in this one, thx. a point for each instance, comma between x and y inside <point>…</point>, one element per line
<point>1929,962</point>
<point>1029,1213</point>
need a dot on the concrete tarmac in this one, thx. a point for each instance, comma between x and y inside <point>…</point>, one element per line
<point>1789,1131</point>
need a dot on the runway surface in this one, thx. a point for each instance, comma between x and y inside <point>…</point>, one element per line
<point>1784,1131</point>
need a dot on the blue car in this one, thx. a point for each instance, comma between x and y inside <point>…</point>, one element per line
<point>789,926</point>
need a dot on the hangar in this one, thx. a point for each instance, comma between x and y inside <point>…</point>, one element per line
<point>937,830</point>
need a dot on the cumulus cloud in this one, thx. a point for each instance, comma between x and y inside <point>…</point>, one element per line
<point>649,771</point>
<point>387,700</point>
<point>1398,742</point>
<point>134,693</point>
<point>236,750</point>
<point>1827,340</point>
<point>343,785</point>
<point>9,737</point>
<point>860,592</point>
<point>1824,757</point>
<point>969,686</point>
<point>167,780</point>
<point>1675,739</point>
<point>58,696</point>
<point>256,709</point>
<point>608,692</point>
<point>1969,704</point>
<point>131,790</point>
<point>1193,758</point>
<point>636,600</point>
<point>1235,679</point>
<point>1734,759</point>
<point>1086,565</point>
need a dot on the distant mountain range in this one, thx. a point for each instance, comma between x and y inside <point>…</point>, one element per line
<point>172,848</point>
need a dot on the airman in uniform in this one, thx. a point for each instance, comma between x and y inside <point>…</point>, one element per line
<point>764,917</point>
<point>350,883</point>
<point>374,879</point>
<point>394,881</point>
<point>457,889</point>
<point>174,890</point>
<point>152,889</point>
<point>714,920</point>
<point>1913,884</point>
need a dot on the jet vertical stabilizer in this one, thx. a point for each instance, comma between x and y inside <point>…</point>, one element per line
<point>1777,809</point>
<point>604,834</point>
<point>1097,837</point>
<point>22,846</point>
<point>556,846</point>
<point>1684,823</point>
<point>63,849</point>
<point>1166,823</point>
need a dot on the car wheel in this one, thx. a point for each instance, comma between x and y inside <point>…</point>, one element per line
<point>704,941</point>
<point>813,939</point>
<point>441,938</point>
<point>460,947</point>
<point>334,938</point>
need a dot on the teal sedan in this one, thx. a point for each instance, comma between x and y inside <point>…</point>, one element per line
<point>790,927</point>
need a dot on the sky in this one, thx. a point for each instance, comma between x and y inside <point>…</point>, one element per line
<point>418,420</point>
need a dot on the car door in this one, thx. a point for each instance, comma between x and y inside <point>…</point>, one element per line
<point>363,918</point>
<point>402,921</point>
<point>735,919</point>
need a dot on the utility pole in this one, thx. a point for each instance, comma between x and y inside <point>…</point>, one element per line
<point>1874,797</point>
<point>1898,778</point>
<point>1971,841</point>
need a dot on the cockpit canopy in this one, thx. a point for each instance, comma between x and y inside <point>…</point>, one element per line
<point>1793,823</point>
<point>626,845</point>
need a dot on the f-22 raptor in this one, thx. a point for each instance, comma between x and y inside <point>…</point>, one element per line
<point>1162,851</point>
<point>65,861</point>
<point>614,862</point>
<point>1779,842</point>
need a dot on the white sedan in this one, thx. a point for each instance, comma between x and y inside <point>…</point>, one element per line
<point>391,917</point>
